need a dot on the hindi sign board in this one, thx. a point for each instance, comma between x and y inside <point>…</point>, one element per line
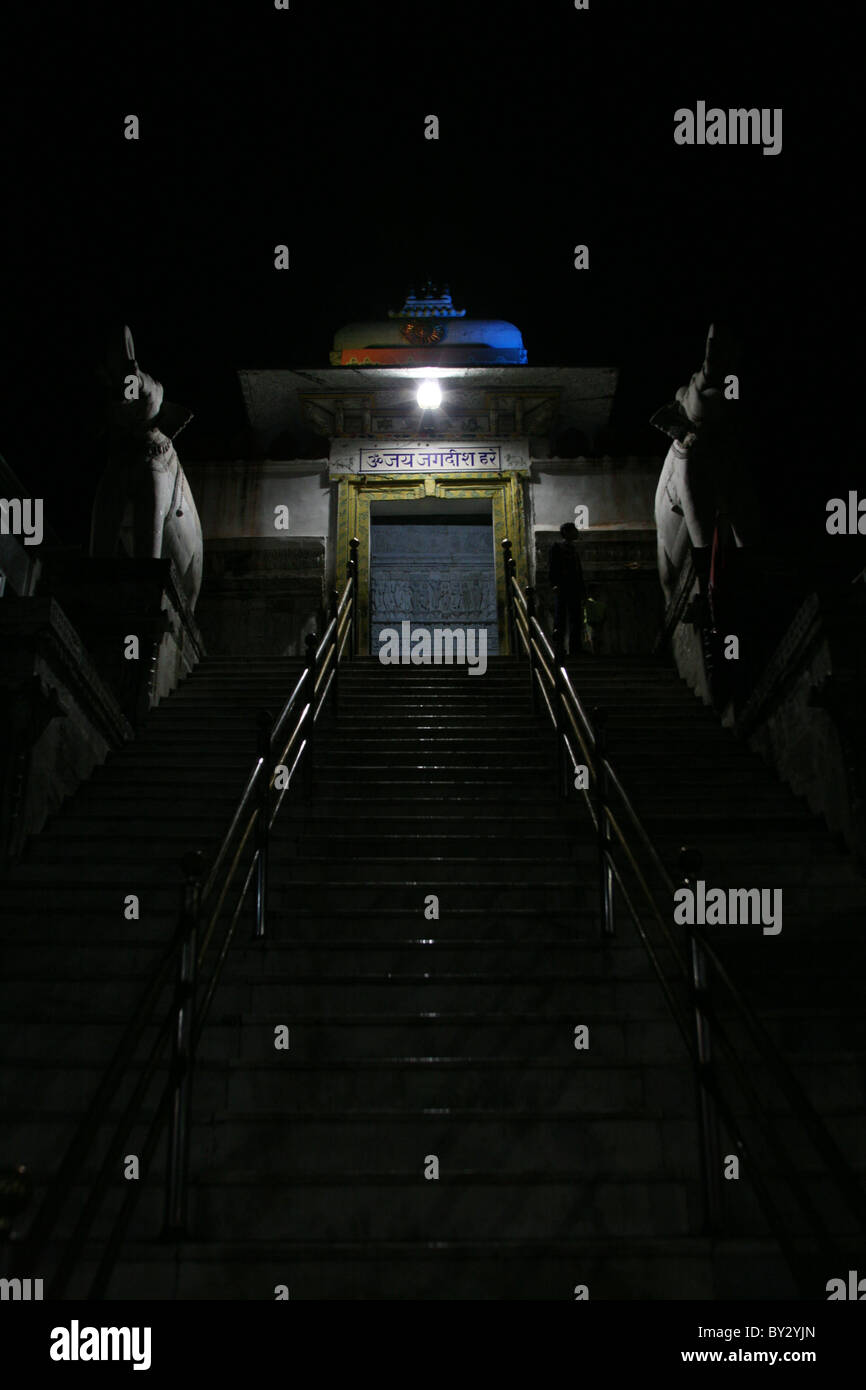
<point>416,458</point>
<point>463,459</point>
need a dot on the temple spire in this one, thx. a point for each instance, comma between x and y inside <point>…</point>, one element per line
<point>431,303</point>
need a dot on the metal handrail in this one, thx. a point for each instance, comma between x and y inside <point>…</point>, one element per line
<point>288,707</point>
<point>560,697</point>
<point>254,814</point>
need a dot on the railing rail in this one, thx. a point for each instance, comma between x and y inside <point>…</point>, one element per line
<point>694,978</point>
<point>285,744</point>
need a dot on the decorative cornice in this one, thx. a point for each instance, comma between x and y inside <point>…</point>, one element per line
<point>427,306</point>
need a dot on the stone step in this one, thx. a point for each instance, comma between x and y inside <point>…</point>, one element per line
<point>664,816</point>
<point>533,777</point>
<point>496,825</point>
<point>43,890</point>
<point>425,764</point>
<point>291,840</point>
<point>491,878</point>
<point>336,1149</point>
<point>420,737</point>
<point>665,811</point>
<point>647,1039</point>
<point>207,772</point>
<point>429,721</point>
<point>381,1207</point>
<point>400,1050</point>
<point>339,996</point>
<point>38,954</point>
<point>412,1082</point>
<point>490,793</point>
<point>462,1204</point>
<point>559,895</point>
<point>242,691</point>
<point>35,957</point>
<point>312,1038</point>
<point>587,1145</point>
<point>631,1268</point>
<point>799,840</point>
<point>403,684</point>
<point>97,916</point>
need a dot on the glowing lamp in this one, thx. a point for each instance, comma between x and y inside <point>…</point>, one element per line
<point>429,395</point>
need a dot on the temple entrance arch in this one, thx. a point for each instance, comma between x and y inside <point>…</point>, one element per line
<point>356,508</point>
<point>432,564</point>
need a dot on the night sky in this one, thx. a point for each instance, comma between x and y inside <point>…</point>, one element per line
<point>261,126</point>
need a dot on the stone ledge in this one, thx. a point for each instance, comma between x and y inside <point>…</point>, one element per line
<point>41,626</point>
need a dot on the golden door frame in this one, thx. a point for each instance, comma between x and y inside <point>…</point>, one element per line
<point>357,491</point>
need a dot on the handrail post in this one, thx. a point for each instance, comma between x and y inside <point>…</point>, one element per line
<point>690,862</point>
<point>558,632</point>
<point>335,618</point>
<point>311,642</point>
<point>263,821</point>
<point>510,572</point>
<point>605,869</point>
<point>177,1167</point>
<point>559,726</point>
<point>352,569</point>
<point>533,664</point>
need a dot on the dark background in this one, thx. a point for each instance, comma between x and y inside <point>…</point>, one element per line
<point>261,126</point>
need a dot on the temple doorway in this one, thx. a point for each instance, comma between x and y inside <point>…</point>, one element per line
<point>432,562</point>
<point>489,506</point>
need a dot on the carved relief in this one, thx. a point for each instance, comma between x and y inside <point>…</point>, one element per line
<point>438,573</point>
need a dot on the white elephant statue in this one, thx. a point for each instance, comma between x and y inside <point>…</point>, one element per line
<point>144,506</point>
<point>702,485</point>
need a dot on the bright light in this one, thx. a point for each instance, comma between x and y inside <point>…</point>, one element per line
<point>429,395</point>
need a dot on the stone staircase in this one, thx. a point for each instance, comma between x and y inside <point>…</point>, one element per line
<point>414,1035</point>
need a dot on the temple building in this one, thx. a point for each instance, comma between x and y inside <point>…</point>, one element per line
<point>508,450</point>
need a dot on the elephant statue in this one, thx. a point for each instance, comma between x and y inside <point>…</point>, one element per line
<point>704,496</point>
<point>144,507</point>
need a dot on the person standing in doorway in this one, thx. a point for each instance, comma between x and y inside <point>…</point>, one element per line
<point>566,578</point>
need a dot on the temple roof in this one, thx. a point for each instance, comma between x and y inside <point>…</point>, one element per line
<point>429,304</point>
<point>428,331</point>
<point>380,402</point>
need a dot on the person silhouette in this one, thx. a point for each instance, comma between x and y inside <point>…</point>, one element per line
<point>566,577</point>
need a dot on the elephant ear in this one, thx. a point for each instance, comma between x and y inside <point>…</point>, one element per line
<point>118,359</point>
<point>719,354</point>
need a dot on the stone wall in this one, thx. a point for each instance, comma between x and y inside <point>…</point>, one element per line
<point>59,719</point>
<point>805,715</point>
<point>239,500</point>
<point>619,569</point>
<point>267,558</point>
<point>109,600</point>
<point>617,492</point>
<point>262,595</point>
<point>617,548</point>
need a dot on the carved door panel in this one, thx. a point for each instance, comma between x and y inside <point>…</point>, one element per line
<point>433,573</point>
